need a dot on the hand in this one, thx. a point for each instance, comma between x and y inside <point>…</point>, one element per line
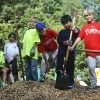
<point>32,51</point>
<point>10,59</point>
<point>72,27</point>
<point>68,42</point>
<point>70,48</point>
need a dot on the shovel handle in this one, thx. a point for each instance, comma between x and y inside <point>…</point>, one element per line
<point>87,50</point>
<point>70,38</point>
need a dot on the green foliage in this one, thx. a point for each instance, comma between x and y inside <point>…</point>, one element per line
<point>80,57</point>
<point>5,29</point>
<point>84,73</point>
<point>50,74</point>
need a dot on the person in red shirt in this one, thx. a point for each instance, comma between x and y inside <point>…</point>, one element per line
<point>47,46</point>
<point>90,32</point>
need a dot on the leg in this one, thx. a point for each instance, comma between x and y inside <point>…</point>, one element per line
<point>43,65</point>
<point>8,72</point>
<point>28,68</point>
<point>91,61</point>
<point>60,61</point>
<point>4,71</point>
<point>98,59</point>
<point>54,55</point>
<point>70,68</point>
<point>14,69</point>
<point>34,69</point>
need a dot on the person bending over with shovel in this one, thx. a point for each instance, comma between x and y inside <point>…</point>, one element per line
<point>63,41</point>
<point>90,32</point>
<point>47,46</point>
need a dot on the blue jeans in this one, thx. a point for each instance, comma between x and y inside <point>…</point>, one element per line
<point>31,68</point>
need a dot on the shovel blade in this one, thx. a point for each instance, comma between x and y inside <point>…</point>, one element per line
<point>62,81</point>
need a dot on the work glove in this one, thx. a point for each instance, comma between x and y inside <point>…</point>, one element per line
<point>32,51</point>
<point>67,42</point>
<point>10,59</point>
<point>72,28</point>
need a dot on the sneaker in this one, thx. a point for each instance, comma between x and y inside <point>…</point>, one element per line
<point>93,87</point>
<point>70,85</point>
<point>4,84</point>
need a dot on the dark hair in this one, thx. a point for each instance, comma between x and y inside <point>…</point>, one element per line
<point>65,18</point>
<point>12,33</point>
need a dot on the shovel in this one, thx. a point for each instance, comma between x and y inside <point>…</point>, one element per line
<point>70,38</point>
<point>43,75</point>
<point>87,50</point>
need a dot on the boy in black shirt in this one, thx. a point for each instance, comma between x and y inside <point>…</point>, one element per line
<point>63,41</point>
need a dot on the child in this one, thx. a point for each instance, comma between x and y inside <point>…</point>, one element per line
<point>30,40</point>
<point>90,32</point>
<point>11,52</point>
<point>47,46</point>
<point>63,41</point>
<point>3,69</point>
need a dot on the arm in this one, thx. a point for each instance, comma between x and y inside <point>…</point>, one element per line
<point>61,39</point>
<point>75,29</point>
<point>75,43</point>
<point>45,58</point>
<point>17,51</point>
<point>54,34</point>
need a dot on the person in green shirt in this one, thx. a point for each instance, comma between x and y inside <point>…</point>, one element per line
<point>30,41</point>
<point>3,68</point>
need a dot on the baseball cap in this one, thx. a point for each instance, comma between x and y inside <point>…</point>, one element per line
<point>40,25</point>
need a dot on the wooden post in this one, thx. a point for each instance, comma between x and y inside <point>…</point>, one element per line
<point>18,40</point>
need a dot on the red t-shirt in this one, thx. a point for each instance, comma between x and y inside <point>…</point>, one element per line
<point>47,41</point>
<point>91,35</point>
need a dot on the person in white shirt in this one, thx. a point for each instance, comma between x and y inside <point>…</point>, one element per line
<point>11,52</point>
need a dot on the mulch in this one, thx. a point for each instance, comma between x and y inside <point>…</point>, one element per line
<point>31,90</point>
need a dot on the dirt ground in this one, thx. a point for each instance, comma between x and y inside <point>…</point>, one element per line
<point>30,90</point>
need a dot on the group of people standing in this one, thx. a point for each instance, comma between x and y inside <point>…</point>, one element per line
<point>41,39</point>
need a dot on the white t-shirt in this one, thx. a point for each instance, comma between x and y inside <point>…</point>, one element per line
<point>11,49</point>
